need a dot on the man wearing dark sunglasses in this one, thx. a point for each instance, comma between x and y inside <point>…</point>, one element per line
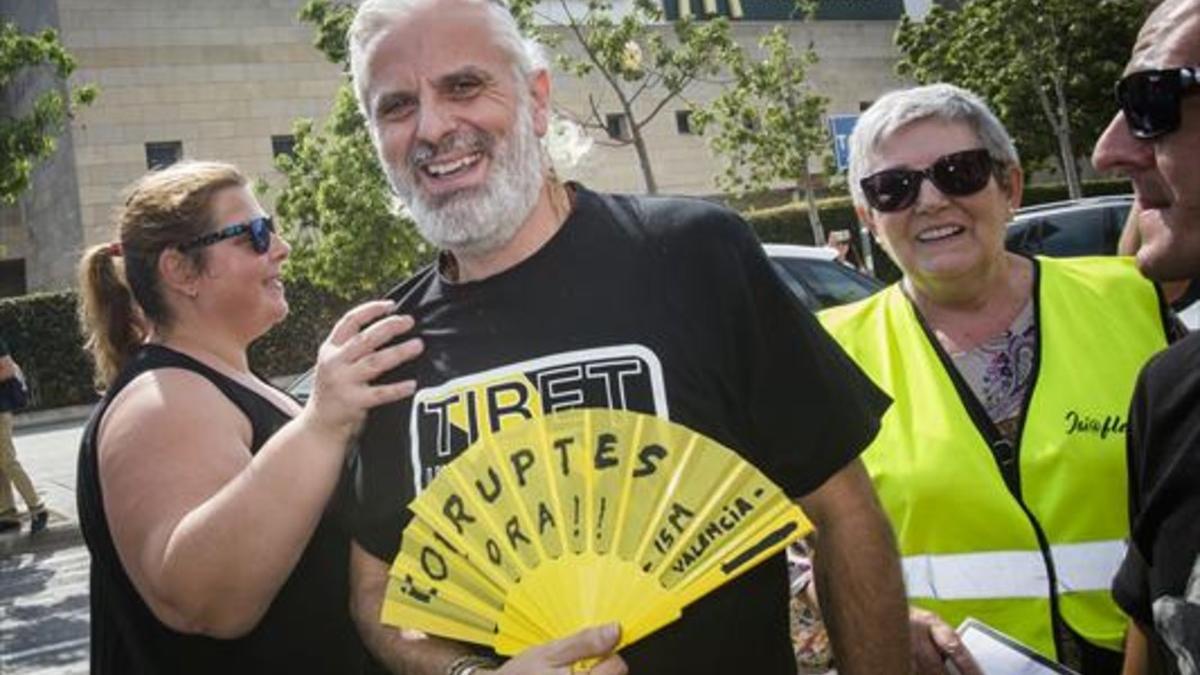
<point>1155,140</point>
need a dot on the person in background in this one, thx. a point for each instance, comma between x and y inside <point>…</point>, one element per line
<point>12,474</point>
<point>202,489</point>
<point>1001,461</point>
<point>1155,140</point>
<point>842,243</point>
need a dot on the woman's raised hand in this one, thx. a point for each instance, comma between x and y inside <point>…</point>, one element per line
<point>350,358</point>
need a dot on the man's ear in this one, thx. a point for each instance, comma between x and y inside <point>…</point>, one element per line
<point>539,93</point>
<point>177,272</point>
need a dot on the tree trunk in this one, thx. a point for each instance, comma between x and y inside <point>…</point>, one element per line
<point>1065,145</point>
<point>1056,116</point>
<point>1074,186</point>
<point>639,144</point>
<point>814,215</point>
<point>1062,168</point>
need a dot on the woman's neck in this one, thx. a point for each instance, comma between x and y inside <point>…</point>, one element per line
<point>203,345</point>
<point>970,311</point>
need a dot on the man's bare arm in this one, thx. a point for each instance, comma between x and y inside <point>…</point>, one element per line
<point>1137,651</point>
<point>858,575</point>
<point>402,654</point>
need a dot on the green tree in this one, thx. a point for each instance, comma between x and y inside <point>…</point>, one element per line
<point>1045,66</point>
<point>639,64</point>
<point>26,139</point>
<point>347,232</point>
<point>769,122</point>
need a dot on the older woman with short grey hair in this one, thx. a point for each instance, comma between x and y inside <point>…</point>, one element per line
<point>1001,463</point>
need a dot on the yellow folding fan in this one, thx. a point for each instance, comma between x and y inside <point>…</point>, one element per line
<point>577,519</point>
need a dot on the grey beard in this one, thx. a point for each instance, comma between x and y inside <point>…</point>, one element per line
<point>485,218</point>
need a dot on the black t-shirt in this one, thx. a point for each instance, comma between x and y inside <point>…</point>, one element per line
<point>663,306</point>
<point>1159,582</point>
<point>306,630</point>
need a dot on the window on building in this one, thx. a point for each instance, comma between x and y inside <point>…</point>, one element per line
<point>283,145</point>
<point>683,122</point>
<point>161,154</point>
<point>617,125</point>
<point>12,278</point>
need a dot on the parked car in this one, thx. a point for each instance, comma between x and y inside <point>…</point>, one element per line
<point>1081,227</point>
<point>1090,226</point>
<point>814,274</point>
<point>811,272</point>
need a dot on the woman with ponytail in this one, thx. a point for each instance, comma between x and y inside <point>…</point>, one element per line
<point>203,491</point>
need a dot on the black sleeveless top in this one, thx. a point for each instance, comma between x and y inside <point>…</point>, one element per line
<point>307,628</point>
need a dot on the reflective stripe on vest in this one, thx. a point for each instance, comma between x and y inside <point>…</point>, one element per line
<point>1012,574</point>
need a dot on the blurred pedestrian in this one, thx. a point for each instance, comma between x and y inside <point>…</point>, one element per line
<point>1001,462</point>
<point>1155,141</point>
<point>842,243</point>
<point>12,474</point>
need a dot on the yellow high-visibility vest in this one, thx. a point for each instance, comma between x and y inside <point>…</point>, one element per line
<point>973,542</point>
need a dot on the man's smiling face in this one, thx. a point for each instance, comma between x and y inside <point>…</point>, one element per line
<point>456,125</point>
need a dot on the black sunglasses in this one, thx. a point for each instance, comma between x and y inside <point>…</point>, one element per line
<point>958,174</point>
<point>1151,99</point>
<point>259,229</point>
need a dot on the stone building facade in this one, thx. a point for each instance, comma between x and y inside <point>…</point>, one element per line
<point>226,79</point>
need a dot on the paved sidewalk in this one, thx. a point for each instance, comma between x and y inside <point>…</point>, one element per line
<point>47,446</point>
<point>44,418</point>
<point>44,612</point>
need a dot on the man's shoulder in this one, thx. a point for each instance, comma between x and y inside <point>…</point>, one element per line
<point>1176,365</point>
<point>667,216</point>
<point>1169,383</point>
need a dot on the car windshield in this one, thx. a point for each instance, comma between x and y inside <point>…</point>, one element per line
<point>824,283</point>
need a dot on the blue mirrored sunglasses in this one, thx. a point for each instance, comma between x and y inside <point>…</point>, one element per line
<point>259,229</point>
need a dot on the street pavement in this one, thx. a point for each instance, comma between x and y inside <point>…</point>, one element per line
<point>44,578</point>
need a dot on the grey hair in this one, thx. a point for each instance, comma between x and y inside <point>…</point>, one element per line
<point>374,18</point>
<point>942,102</point>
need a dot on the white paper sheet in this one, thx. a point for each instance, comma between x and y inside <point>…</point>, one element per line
<point>999,654</point>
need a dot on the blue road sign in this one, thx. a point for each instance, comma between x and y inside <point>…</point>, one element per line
<point>840,127</point>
